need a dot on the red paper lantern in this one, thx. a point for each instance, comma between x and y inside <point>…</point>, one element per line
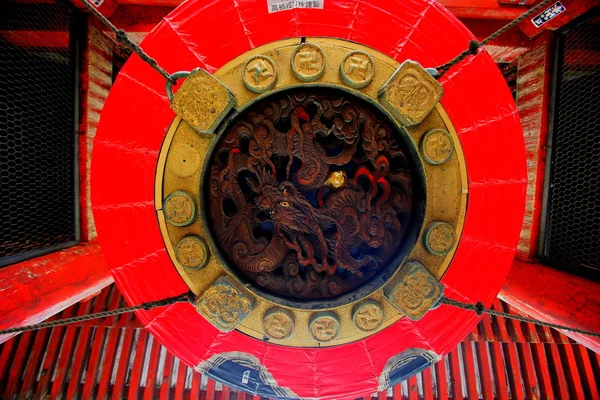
<point>134,123</point>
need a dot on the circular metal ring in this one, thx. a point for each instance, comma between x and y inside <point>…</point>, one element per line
<point>176,76</point>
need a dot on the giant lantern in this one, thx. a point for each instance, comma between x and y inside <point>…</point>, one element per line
<point>317,186</point>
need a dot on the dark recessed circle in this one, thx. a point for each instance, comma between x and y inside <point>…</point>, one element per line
<point>313,194</point>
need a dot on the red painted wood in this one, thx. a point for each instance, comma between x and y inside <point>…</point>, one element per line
<point>210,390</point>
<point>500,323</point>
<point>110,354</point>
<point>119,386</point>
<point>52,352</point>
<point>138,365</point>
<point>241,396</point>
<point>515,328</point>
<point>527,366</point>
<point>514,373</point>
<point>499,370</point>
<point>486,329</point>
<point>181,375</point>
<point>66,354</point>
<point>83,343</point>
<point>427,384</point>
<point>195,393</point>
<point>93,364</point>
<point>482,9</point>
<point>533,100</point>
<point>441,379</point>
<point>35,362</point>
<point>5,359</point>
<point>225,392</point>
<point>165,385</point>
<point>60,279</point>
<point>586,373</point>
<point>413,389</point>
<point>18,365</point>
<point>397,392</point>
<point>152,370</point>
<point>485,373</point>
<point>543,372</point>
<point>382,395</point>
<point>469,365</point>
<point>571,373</point>
<point>556,297</point>
<point>457,392</point>
<point>560,386</point>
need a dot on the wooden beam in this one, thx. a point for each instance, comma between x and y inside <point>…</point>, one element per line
<point>554,296</point>
<point>36,289</point>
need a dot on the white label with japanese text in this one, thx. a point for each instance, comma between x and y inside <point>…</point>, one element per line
<point>551,12</point>
<point>284,5</point>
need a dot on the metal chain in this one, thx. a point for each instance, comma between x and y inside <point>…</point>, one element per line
<point>124,39</point>
<point>186,297</point>
<point>480,309</point>
<point>474,45</point>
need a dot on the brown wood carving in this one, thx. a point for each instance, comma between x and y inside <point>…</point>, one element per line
<point>310,193</point>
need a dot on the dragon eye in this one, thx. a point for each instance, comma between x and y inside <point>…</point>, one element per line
<point>285,204</point>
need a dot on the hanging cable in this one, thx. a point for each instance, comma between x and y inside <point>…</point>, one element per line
<point>478,308</point>
<point>474,45</point>
<point>122,37</point>
<point>182,298</point>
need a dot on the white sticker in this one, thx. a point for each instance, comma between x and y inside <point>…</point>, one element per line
<point>246,377</point>
<point>551,12</point>
<point>284,5</point>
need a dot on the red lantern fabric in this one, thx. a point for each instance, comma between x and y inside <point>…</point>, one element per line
<point>209,34</point>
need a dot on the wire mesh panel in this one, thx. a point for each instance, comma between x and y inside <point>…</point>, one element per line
<point>37,120</point>
<point>573,225</point>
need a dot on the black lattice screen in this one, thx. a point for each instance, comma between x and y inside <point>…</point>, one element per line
<point>572,239</point>
<point>37,129</point>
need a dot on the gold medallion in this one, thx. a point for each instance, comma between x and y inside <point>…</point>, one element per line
<point>324,326</point>
<point>357,69</point>
<point>436,146</point>
<point>367,316</point>
<point>192,252</point>
<point>225,304</point>
<point>179,209</point>
<point>259,74</point>
<point>308,62</point>
<point>278,323</point>
<point>439,238</point>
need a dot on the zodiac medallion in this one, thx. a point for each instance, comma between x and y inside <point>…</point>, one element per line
<point>192,252</point>
<point>308,62</point>
<point>179,209</point>
<point>357,69</point>
<point>259,74</point>
<point>367,316</point>
<point>324,326</point>
<point>310,193</point>
<point>439,238</point>
<point>278,323</point>
<point>436,146</point>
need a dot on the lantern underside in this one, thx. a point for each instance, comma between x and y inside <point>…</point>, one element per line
<point>310,196</point>
<point>151,174</point>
